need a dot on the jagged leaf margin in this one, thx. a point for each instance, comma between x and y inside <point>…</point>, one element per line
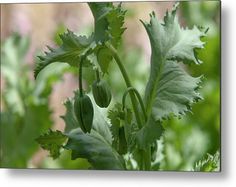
<point>109,20</point>
<point>52,141</point>
<point>170,90</point>
<point>71,50</point>
<point>209,163</point>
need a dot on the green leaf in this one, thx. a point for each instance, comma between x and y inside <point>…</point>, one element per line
<point>123,129</point>
<point>47,78</point>
<point>69,117</point>
<point>52,141</point>
<point>71,50</point>
<point>95,148</point>
<point>104,57</point>
<point>61,28</point>
<point>170,90</point>
<point>115,20</point>
<point>108,21</point>
<point>100,122</point>
<point>116,116</point>
<point>209,163</point>
<point>149,133</point>
<point>100,11</point>
<point>130,129</point>
<point>175,93</point>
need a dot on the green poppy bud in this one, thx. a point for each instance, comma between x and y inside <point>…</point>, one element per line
<point>101,93</point>
<point>84,112</point>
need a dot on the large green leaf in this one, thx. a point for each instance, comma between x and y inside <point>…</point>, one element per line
<point>170,90</point>
<point>52,141</point>
<point>100,11</point>
<point>109,22</point>
<point>95,148</point>
<point>71,50</point>
<point>47,78</point>
<point>104,58</point>
<point>69,117</point>
<point>174,93</point>
<point>100,122</point>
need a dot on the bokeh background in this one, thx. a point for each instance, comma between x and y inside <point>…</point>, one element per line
<point>29,107</point>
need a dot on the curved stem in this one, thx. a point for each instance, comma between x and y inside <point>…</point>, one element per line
<point>127,81</point>
<point>132,89</point>
<point>146,159</point>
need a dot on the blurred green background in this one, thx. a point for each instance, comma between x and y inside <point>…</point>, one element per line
<point>30,107</point>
